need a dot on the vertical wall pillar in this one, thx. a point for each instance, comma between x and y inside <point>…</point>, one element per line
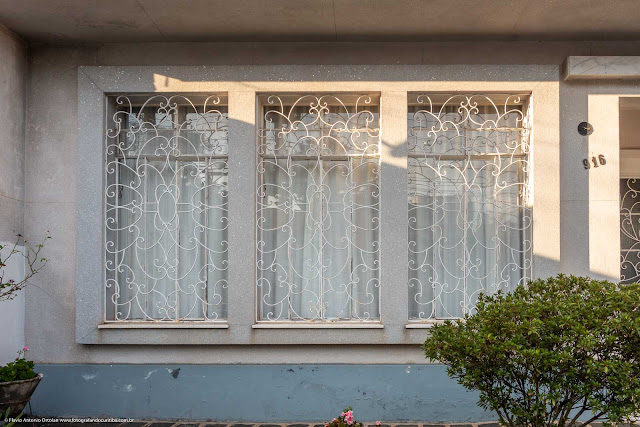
<point>574,179</point>
<point>242,184</point>
<point>546,180</point>
<point>393,214</point>
<point>604,184</point>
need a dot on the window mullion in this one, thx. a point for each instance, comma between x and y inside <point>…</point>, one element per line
<point>205,256</point>
<point>117,234</point>
<point>465,207</point>
<point>351,242</point>
<point>146,239</point>
<point>289,251</point>
<point>465,227</point>
<point>177,236</point>
<point>322,203</point>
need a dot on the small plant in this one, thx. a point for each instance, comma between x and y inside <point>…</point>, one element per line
<point>346,420</point>
<point>549,353</point>
<point>5,423</point>
<point>34,263</point>
<point>19,369</point>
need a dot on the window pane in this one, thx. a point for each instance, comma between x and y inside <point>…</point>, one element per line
<point>461,125</point>
<point>166,211</point>
<point>629,230</point>
<point>469,219</point>
<point>318,213</point>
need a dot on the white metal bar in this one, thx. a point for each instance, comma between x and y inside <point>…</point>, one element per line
<point>318,325</point>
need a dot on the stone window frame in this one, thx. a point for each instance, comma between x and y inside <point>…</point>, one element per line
<point>243,84</point>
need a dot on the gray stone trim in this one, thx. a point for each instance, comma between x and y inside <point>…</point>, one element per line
<point>601,67</point>
<point>242,83</point>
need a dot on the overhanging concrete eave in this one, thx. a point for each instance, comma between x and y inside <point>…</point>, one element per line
<point>138,21</point>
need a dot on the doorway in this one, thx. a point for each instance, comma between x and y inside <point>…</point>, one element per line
<point>629,190</point>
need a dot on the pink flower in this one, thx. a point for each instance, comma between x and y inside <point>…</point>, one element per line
<point>377,423</point>
<point>326,424</point>
<point>349,417</point>
<point>334,420</point>
<point>26,348</point>
<point>342,414</point>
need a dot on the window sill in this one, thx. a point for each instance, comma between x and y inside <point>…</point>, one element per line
<point>423,325</point>
<point>318,325</point>
<point>164,325</point>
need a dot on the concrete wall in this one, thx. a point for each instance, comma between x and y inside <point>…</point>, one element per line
<point>51,179</point>
<point>587,211</point>
<point>274,393</point>
<point>51,187</point>
<point>13,71</point>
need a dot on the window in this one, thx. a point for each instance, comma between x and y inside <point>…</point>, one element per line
<point>629,234</point>
<point>318,208</point>
<point>469,211</point>
<point>166,208</point>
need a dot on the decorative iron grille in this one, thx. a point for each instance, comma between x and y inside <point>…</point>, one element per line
<point>629,230</point>
<point>318,208</point>
<point>166,208</point>
<point>469,210</point>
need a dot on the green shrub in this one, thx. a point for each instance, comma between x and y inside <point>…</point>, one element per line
<point>554,351</point>
<point>19,369</point>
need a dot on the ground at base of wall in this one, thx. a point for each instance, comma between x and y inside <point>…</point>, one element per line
<point>143,423</point>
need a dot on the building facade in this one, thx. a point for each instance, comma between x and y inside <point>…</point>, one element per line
<point>265,231</point>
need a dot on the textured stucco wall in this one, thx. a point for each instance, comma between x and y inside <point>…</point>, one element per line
<point>13,68</point>
<point>584,214</point>
<point>51,150</point>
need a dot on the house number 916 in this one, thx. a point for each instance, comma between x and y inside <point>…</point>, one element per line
<point>600,160</point>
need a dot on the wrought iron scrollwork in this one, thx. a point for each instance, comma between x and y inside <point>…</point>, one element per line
<point>629,230</point>
<point>318,208</point>
<point>469,209</point>
<point>166,208</point>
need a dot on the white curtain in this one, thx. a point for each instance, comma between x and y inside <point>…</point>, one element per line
<point>172,235</point>
<point>466,234</point>
<point>468,224</point>
<point>318,233</point>
<point>130,277</point>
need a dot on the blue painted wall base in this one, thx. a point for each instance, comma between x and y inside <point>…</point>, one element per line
<point>277,393</point>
